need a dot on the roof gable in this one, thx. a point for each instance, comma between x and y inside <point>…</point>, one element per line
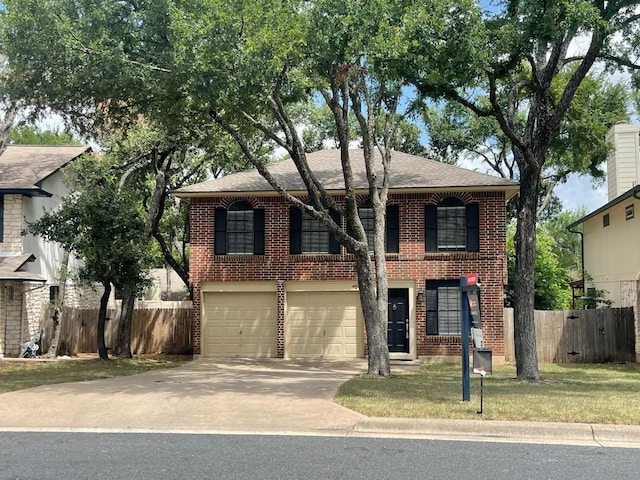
<point>23,168</point>
<point>407,172</point>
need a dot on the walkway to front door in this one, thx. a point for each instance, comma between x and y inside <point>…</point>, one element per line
<point>398,325</point>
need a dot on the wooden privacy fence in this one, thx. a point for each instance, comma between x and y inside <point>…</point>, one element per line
<point>153,330</point>
<point>579,336</point>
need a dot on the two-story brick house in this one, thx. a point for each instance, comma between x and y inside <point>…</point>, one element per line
<point>269,281</point>
<point>30,182</point>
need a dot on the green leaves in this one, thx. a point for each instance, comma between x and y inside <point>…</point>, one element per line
<point>102,226</point>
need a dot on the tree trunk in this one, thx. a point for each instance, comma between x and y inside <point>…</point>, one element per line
<point>52,352</point>
<point>524,287</point>
<point>122,348</point>
<point>102,319</point>
<point>376,326</point>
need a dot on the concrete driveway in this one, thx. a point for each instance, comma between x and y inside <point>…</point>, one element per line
<point>203,395</point>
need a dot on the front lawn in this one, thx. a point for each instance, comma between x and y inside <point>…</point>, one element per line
<point>608,393</point>
<point>21,375</point>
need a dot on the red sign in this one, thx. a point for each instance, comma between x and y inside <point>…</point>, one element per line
<point>472,278</point>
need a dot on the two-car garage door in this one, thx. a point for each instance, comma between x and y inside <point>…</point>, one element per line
<point>318,324</point>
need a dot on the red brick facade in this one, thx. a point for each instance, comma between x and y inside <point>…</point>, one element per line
<point>410,264</point>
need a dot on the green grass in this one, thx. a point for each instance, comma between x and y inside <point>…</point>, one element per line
<point>608,393</point>
<point>18,376</point>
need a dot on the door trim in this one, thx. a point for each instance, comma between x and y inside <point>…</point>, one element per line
<point>412,289</point>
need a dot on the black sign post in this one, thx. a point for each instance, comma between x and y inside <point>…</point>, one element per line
<point>471,325</point>
<point>467,284</point>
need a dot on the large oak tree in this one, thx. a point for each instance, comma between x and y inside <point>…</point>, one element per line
<point>245,67</point>
<point>518,77</point>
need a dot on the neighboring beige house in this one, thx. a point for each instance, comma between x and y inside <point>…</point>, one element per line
<point>611,234</point>
<point>30,182</point>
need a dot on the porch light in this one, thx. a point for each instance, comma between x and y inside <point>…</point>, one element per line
<point>420,295</point>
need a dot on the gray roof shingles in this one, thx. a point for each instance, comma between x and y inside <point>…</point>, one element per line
<point>24,167</point>
<point>407,172</point>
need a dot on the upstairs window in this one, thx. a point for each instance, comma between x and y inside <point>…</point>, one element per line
<point>452,226</point>
<point>309,235</point>
<point>392,233</point>
<point>239,230</point>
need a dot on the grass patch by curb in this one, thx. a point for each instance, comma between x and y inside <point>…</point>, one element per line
<point>18,376</point>
<point>607,393</point>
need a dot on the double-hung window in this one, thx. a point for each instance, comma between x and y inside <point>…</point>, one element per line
<point>392,232</point>
<point>452,226</point>
<point>239,230</point>
<point>444,309</point>
<point>308,235</point>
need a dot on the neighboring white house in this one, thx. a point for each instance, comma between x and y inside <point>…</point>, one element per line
<point>30,182</point>
<point>611,234</point>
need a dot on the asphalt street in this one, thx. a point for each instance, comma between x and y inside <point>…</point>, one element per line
<point>80,456</point>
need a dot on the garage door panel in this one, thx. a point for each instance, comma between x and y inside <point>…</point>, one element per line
<point>323,324</point>
<point>239,324</point>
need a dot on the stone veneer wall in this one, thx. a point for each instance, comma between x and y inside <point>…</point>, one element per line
<point>84,297</point>
<point>12,326</point>
<point>36,297</point>
<point>22,305</point>
<point>12,233</point>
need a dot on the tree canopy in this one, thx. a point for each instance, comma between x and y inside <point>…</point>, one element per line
<point>525,75</point>
<point>103,227</point>
<point>246,67</point>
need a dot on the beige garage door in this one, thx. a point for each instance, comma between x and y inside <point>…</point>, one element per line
<point>323,325</point>
<point>239,324</point>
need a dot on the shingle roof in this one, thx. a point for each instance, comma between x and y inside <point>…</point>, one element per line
<point>407,172</point>
<point>24,167</point>
<point>11,268</point>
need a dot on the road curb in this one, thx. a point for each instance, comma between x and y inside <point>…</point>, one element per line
<point>525,432</point>
<point>617,435</point>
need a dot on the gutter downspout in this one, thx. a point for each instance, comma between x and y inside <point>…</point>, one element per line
<point>584,284</point>
<point>6,314</point>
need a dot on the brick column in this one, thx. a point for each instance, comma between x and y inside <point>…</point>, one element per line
<point>281,315</point>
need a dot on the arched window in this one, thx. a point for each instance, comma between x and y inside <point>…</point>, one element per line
<point>239,230</point>
<point>452,226</point>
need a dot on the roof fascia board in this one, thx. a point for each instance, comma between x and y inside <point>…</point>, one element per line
<point>510,192</point>
<point>27,192</point>
<point>633,192</point>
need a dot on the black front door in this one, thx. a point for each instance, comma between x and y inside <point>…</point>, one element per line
<point>398,325</point>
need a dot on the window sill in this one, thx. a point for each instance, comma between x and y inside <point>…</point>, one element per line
<point>444,339</point>
<point>240,258</point>
<point>451,255</point>
<point>318,257</point>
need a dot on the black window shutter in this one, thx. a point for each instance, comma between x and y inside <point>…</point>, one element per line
<point>432,308</point>
<point>220,247</point>
<point>431,228</point>
<point>334,246</point>
<point>295,231</point>
<point>393,229</point>
<point>473,227</point>
<point>258,231</point>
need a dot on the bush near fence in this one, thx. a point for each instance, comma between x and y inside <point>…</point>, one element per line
<point>579,336</point>
<point>153,330</point>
